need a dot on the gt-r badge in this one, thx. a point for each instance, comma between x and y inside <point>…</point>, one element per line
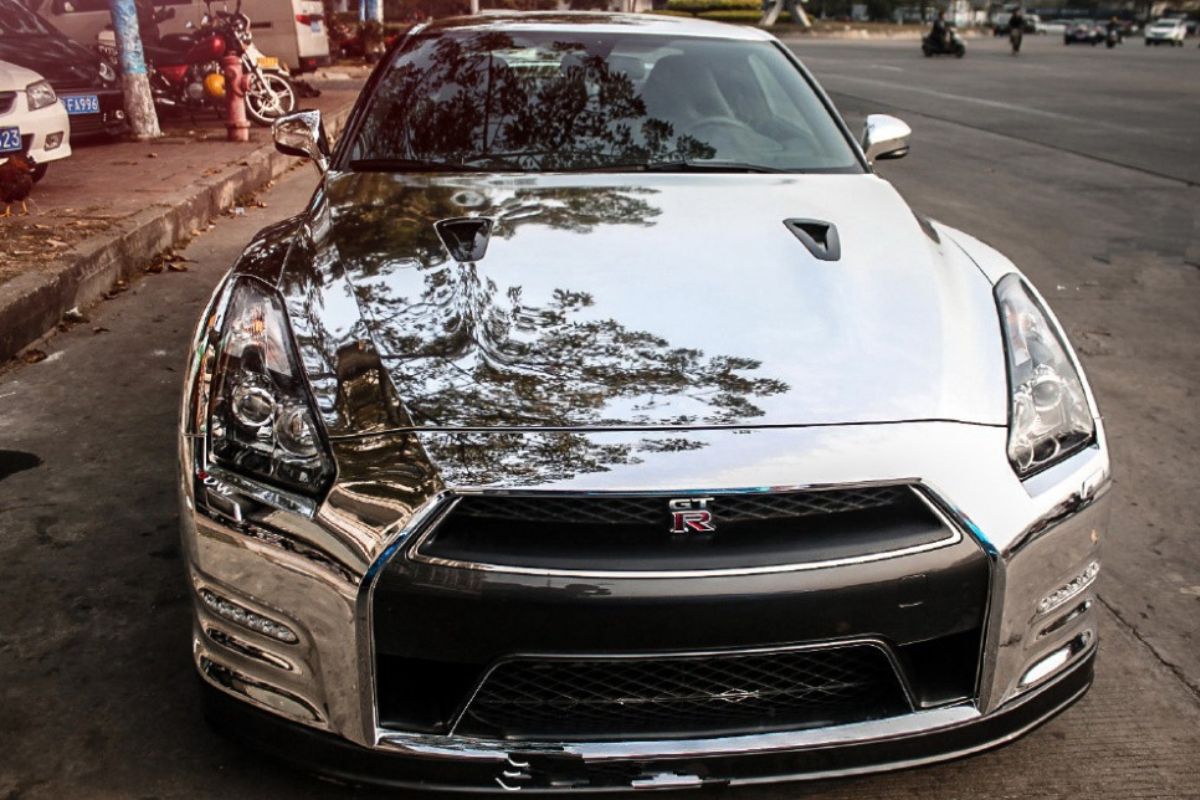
<point>691,515</point>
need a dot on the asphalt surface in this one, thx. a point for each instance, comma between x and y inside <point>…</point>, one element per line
<point>96,686</point>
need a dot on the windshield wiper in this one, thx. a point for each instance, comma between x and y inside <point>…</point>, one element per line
<point>409,165</point>
<point>687,164</point>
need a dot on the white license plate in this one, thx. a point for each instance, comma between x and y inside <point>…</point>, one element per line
<point>82,104</point>
<point>10,140</point>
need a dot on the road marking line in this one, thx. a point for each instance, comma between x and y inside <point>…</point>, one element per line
<point>998,104</point>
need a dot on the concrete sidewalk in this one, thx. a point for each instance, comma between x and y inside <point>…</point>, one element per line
<point>104,217</point>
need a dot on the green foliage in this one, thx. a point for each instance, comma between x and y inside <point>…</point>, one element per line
<point>700,6</point>
<point>741,15</point>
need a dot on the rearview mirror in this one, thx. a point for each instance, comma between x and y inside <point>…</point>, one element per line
<point>885,137</point>
<point>302,134</point>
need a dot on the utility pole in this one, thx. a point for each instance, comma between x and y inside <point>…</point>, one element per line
<point>139,102</point>
<point>474,7</point>
<point>374,11</point>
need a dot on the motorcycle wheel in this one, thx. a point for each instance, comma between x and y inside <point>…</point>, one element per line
<point>960,51</point>
<point>270,98</point>
<point>925,49</point>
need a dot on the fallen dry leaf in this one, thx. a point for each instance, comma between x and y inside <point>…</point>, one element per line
<point>173,267</point>
<point>100,329</point>
<point>33,356</point>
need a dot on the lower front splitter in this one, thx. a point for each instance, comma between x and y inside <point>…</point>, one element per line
<point>551,768</point>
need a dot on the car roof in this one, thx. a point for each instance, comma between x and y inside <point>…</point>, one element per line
<point>592,22</point>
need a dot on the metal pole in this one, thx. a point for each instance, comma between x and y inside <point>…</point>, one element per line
<point>139,102</point>
<point>474,7</point>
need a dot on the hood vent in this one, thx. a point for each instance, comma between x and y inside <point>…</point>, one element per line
<point>465,237</point>
<point>821,238</point>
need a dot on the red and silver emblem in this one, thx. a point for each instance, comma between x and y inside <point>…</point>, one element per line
<point>691,515</point>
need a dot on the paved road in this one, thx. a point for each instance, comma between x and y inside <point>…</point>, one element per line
<point>95,675</point>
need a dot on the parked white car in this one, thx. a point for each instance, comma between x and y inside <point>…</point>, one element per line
<point>1166,31</point>
<point>32,120</point>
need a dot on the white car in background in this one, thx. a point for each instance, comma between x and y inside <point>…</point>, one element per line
<point>32,120</point>
<point>1166,31</point>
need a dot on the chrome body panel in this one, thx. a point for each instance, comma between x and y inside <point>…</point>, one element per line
<point>570,346</point>
<point>316,574</point>
<point>909,306</point>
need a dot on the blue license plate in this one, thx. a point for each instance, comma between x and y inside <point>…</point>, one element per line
<point>82,104</point>
<point>10,140</point>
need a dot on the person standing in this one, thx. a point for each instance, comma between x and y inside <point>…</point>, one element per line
<point>1016,29</point>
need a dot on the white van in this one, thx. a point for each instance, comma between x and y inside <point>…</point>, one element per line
<point>291,30</point>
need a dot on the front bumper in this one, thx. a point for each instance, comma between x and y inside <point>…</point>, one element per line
<point>315,571</point>
<point>38,129</point>
<point>109,121</point>
<point>942,735</point>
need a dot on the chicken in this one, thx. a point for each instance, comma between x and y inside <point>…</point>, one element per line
<point>16,182</point>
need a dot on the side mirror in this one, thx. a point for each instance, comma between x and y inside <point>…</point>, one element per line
<point>301,133</point>
<point>885,137</point>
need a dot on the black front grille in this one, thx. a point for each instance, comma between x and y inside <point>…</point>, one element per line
<point>650,509</point>
<point>7,99</point>
<point>674,696</point>
<point>637,532</point>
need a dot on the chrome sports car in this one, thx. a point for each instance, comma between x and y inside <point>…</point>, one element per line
<point>605,422</point>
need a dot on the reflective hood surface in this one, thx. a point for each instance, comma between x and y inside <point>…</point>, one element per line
<point>616,300</point>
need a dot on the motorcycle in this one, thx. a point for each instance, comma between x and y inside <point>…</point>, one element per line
<point>186,71</point>
<point>952,46</point>
<point>1112,38</point>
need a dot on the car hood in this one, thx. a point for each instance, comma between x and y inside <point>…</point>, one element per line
<point>661,300</point>
<point>64,63</point>
<point>14,78</point>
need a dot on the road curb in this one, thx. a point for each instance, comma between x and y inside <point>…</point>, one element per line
<point>33,304</point>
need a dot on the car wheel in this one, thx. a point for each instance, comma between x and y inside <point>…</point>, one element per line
<point>39,172</point>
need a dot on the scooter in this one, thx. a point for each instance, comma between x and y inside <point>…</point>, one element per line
<point>1112,38</point>
<point>186,71</point>
<point>952,46</point>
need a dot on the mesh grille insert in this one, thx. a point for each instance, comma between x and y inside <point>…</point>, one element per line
<point>707,695</point>
<point>628,533</point>
<point>639,510</point>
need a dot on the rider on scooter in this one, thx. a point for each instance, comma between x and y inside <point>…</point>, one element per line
<point>940,34</point>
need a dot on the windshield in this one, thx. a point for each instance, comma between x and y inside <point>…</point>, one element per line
<point>16,21</point>
<point>559,100</point>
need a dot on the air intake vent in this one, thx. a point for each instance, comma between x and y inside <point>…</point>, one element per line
<point>465,237</point>
<point>821,238</point>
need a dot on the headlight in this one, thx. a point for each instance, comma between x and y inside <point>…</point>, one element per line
<point>40,95</point>
<point>260,420</point>
<point>107,73</point>
<point>1049,415</point>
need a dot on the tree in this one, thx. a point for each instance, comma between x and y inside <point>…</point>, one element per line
<point>139,102</point>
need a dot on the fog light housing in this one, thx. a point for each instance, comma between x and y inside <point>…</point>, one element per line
<point>1050,664</point>
<point>226,609</point>
<point>53,140</point>
<point>1069,589</point>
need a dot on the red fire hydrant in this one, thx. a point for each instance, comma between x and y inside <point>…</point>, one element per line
<point>237,84</point>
